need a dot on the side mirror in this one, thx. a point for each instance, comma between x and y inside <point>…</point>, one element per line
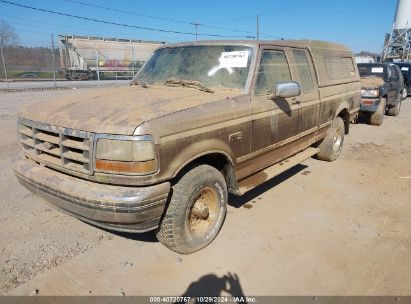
<point>286,89</point>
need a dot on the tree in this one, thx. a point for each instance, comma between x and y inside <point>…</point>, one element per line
<point>8,35</point>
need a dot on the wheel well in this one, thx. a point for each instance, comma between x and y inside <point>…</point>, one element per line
<point>345,115</point>
<point>218,161</point>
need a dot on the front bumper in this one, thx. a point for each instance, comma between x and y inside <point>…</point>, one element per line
<point>366,107</point>
<point>125,209</point>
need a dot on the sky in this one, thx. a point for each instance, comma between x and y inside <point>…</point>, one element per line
<point>358,24</point>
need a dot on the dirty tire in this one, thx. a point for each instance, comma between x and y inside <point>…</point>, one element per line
<point>181,229</point>
<point>394,111</point>
<point>377,117</point>
<point>331,145</point>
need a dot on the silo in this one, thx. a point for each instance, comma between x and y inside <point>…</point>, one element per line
<point>397,45</point>
<point>402,18</point>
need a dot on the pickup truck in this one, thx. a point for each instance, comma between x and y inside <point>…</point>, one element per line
<point>199,120</point>
<point>382,90</point>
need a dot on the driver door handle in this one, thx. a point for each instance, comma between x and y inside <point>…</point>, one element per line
<point>295,101</point>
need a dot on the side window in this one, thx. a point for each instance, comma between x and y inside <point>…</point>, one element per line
<point>273,69</point>
<point>339,67</point>
<point>303,67</point>
<point>394,74</point>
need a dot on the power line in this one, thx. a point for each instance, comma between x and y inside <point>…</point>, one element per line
<point>170,20</point>
<point>115,23</point>
<point>63,28</point>
<point>126,12</point>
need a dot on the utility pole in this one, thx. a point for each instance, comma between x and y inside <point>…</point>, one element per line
<point>258,30</point>
<point>4,61</point>
<point>196,24</point>
<point>52,56</point>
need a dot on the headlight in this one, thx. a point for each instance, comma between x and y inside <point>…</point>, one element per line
<point>370,93</point>
<point>131,156</point>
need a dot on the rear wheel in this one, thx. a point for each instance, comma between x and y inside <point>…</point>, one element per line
<point>377,117</point>
<point>331,146</point>
<point>196,211</point>
<point>404,93</point>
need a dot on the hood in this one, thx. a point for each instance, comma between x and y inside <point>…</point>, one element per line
<point>371,82</point>
<point>117,110</point>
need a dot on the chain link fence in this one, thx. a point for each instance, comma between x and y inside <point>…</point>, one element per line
<point>73,61</point>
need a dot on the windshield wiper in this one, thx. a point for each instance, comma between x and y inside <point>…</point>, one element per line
<point>174,82</point>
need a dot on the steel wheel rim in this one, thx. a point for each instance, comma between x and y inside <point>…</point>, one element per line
<point>405,93</point>
<point>337,140</point>
<point>203,212</point>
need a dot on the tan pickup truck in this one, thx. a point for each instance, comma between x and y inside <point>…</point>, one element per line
<point>199,120</point>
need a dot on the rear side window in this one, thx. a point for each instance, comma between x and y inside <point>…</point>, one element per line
<point>303,67</point>
<point>405,70</point>
<point>273,69</point>
<point>339,67</point>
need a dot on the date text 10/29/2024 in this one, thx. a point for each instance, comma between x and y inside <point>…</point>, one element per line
<point>203,299</point>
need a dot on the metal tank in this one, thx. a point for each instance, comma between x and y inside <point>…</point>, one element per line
<point>84,57</point>
<point>397,44</point>
<point>402,18</point>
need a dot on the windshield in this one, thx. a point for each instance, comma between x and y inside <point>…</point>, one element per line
<point>216,66</point>
<point>371,70</point>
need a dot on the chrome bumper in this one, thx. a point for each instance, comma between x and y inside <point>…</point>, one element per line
<point>125,209</point>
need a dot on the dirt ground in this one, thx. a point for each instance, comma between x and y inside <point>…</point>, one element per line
<point>340,228</point>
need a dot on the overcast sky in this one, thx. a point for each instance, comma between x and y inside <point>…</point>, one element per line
<point>359,24</point>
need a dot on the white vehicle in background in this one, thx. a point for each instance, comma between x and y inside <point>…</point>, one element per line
<point>84,58</point>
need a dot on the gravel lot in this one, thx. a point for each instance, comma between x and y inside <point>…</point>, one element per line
<point>340,228</point>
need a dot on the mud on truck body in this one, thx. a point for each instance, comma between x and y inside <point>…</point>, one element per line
<point>200,120</point>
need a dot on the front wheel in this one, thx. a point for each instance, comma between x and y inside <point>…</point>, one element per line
<point>377,117</point>
<point>196,211</point>
<point>330,148</point>
<point>394,111</point>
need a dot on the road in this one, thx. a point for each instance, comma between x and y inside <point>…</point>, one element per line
<point>339,228</point>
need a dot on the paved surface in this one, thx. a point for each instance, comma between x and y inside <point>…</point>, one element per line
<point>340,228</point>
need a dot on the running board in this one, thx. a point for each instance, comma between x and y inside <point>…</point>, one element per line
<point>267,173</point>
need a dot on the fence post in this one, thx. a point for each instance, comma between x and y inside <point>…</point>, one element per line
<point>116,59</point>
<point>97,64</point>
<point>4,63</point>
<point>132,59</point>
<point>52,56</point>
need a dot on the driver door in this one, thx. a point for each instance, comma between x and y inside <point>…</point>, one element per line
<point>275,121</point>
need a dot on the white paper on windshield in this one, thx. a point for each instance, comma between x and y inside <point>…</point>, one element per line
<point>377,70</point>
<point>229,60</point>
<point>404,69</point>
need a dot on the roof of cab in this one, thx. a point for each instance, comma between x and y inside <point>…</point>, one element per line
<point>312,44</point>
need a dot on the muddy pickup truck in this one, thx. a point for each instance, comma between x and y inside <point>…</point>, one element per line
<point>199,120</point>
<point>382,90</point>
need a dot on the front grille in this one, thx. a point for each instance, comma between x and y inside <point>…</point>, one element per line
<point>56,146</point>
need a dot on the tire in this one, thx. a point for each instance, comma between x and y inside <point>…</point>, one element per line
<point>404,93</point>
<point>196,210</point>
<point>377,117</point>
<point>331,146</point>
<point>394,111</point>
